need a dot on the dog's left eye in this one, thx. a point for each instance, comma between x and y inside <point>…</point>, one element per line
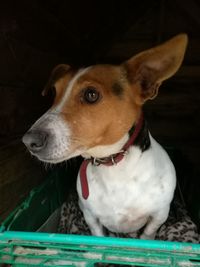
<point>91,95</point>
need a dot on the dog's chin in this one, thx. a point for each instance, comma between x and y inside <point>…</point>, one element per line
<point>55,160</point>
<point>52,160</point>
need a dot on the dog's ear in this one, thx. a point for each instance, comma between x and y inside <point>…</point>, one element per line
<point>151,67</point>
<point>58,72</point>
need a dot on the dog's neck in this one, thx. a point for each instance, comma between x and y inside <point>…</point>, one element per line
<point>106,150</point>
<point>138,136</point>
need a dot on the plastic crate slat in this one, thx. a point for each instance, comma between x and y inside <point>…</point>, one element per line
<point>87,250</point>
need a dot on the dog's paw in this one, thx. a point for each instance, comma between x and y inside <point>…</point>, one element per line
<point>147,237</point>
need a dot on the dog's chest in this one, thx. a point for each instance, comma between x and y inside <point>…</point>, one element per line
<point>124,196</point>
<point>117,207</point>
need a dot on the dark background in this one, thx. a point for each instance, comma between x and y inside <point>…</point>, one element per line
<point>37,35</point>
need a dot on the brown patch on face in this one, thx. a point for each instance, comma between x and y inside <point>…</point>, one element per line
<point>106,121</point>
<point>59,78</point>
<point>61,85</point>
<point>117,89</point>
<point>57,73</point>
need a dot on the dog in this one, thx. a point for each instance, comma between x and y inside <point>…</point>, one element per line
<point>126,181</point>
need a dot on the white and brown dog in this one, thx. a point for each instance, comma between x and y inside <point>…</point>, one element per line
<point>127,180</point>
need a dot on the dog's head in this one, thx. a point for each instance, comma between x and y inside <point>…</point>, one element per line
<point>97,105</point>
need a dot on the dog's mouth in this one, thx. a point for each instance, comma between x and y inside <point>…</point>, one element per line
<point>51,160</point>
<point>55,160</point>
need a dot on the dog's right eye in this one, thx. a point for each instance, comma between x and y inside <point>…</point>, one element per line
<point>90,95</point>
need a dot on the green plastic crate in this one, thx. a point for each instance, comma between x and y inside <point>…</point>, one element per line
<point>22,245</point>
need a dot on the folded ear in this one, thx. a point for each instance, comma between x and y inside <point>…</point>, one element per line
<point>58,72</point>
<point>151,67</point>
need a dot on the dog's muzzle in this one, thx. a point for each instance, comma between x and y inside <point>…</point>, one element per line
<point>49,138</point>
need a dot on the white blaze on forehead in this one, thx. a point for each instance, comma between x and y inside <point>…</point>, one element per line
<point>69,88</point>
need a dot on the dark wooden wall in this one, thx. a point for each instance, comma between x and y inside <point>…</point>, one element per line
<point>37,35</point>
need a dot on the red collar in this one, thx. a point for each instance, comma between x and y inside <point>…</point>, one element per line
<point>108,161</point>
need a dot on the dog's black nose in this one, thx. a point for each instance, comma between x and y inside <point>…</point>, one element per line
<point>35,140</point>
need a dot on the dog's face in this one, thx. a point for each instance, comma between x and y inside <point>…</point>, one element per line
<point>97,106</point>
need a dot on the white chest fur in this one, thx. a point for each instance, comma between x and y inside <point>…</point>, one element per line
<point>125,196</point>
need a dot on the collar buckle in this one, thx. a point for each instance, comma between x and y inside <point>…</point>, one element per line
<point>95,161</point>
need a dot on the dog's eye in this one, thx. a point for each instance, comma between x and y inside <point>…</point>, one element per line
<point>91,95</point>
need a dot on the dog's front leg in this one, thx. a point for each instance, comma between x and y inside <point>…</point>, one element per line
<point>155,221</point>
<point>95,226</point>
